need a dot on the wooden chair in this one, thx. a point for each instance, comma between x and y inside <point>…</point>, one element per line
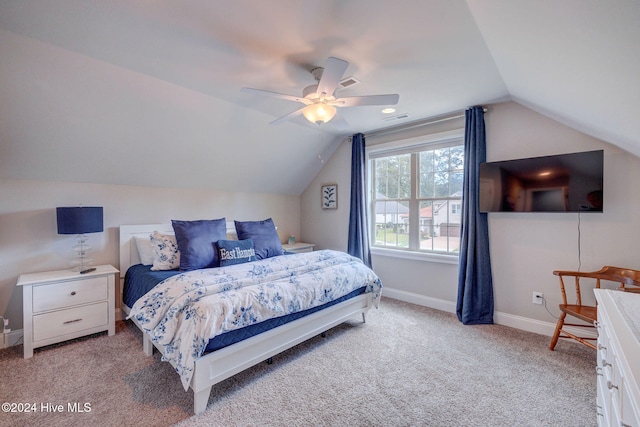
<point>628,279</point>
<point>631,280</point>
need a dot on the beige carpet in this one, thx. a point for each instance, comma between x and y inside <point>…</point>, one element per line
<point>407,366</point>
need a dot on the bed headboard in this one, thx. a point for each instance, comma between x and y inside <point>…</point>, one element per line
<point>129,251</point>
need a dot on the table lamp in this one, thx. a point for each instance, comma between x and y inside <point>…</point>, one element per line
<point>80,220</point>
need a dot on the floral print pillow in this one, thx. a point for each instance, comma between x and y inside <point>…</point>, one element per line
<point>166,255</point>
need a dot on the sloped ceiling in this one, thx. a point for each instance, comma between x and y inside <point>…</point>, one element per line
<point>147,92</point>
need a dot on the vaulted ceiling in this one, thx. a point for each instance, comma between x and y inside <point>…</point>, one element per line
<point>147,92</point>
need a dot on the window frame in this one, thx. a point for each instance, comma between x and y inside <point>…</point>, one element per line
<point>402,146</point>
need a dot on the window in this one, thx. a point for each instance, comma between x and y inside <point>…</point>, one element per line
<point>416,194</point>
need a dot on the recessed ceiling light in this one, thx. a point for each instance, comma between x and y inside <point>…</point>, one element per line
<point>389,110</point>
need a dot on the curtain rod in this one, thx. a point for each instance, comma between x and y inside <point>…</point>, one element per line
<point>417,124</point>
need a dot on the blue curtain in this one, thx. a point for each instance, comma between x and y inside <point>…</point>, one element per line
<point>358,225</point>
<point>475,284</point>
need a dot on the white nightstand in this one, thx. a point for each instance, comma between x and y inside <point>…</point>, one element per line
<point>299,247</point>
<point>61,305</point>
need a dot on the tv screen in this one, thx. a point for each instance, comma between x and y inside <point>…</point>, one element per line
<point>561,183</point>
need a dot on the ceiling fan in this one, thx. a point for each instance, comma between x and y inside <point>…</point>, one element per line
<point>319,99</point>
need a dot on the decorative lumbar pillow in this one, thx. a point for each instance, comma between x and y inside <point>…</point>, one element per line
<point>197,242</point>
<point>166,255</point>
<point>145,251</point>
<point>264,235</point>
<point>233,252</point>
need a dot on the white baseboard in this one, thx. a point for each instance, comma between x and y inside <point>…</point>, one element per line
<point>505,319</point>
<point>438,304</point>
<point>11,339</point>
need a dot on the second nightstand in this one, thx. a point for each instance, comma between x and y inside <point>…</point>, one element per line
<point>61,305</point>
<point>298,247</point>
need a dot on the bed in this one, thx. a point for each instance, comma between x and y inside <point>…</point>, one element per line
<point>256,338</point>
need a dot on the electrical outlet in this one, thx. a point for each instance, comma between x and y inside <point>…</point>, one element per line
<point>537,298</point>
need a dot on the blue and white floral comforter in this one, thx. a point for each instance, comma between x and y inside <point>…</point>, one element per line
<point>184,311</point>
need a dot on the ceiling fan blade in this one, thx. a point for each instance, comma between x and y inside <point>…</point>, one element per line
<point>333,71</point>
<point>276,95</point>
<point>357,101</point>
<point>287,117</point>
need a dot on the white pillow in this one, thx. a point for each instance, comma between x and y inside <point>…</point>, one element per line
<point>145,252</point>
<point>166,255</point>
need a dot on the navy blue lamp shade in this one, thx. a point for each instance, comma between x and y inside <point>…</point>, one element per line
<point>79,220</point>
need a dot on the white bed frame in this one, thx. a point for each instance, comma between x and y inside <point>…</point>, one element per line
<point>219,365</point>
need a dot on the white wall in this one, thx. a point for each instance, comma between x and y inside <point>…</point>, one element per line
<point>28,236</point>
<point>525,248</point>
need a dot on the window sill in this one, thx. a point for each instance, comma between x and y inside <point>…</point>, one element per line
<point>414,255</point>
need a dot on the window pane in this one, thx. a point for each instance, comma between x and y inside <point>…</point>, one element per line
<point>440,222</point>
<point>426,226</point>
<point>392,223</point>
<point>393,176</point>
<point>426,179</point>
<point>381,176</point>
<point>427,184</point>
<point>442,184</point>
<point>447,225</point>
<point>455,184</point>
<point>441,159</point>
<point>426,162</point>
<point>457,158</point>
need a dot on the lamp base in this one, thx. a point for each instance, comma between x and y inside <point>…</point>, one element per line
<point>79,268</point>
<point>81,249</point>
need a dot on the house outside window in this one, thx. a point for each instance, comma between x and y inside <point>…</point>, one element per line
<point>416,194</point>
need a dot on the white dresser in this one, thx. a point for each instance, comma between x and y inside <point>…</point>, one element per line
<point>63,304</point>
<point>618,369</point>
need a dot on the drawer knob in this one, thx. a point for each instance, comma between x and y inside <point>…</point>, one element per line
<point>598,370</point>
<point>610,385</point>
<point>73,292</point>
<point>601,347</point>
<point>72,321</point>
<point>605,363</point>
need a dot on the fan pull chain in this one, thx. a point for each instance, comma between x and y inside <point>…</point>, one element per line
<point>321,144</point>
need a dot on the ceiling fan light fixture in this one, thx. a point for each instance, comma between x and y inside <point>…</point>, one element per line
<point>319,113</point>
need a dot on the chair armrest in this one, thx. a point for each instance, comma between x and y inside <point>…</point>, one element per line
<point>629,279</point>
<point>589,274</point>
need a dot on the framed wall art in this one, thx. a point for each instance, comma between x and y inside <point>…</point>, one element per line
<point>330,196</point>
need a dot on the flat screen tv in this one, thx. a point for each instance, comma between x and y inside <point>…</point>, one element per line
<point>561,183</point>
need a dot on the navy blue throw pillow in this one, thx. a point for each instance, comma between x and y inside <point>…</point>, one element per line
<point>264,235</point>
<point>196,242</point>
<point>232,252</point>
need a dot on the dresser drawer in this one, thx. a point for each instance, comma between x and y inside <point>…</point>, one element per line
<point>67,294</point>
<point>630,416</point>
<point>63,322</point>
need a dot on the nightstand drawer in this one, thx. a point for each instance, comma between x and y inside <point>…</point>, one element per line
<point>68,294</point>
<point>63,322</point>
